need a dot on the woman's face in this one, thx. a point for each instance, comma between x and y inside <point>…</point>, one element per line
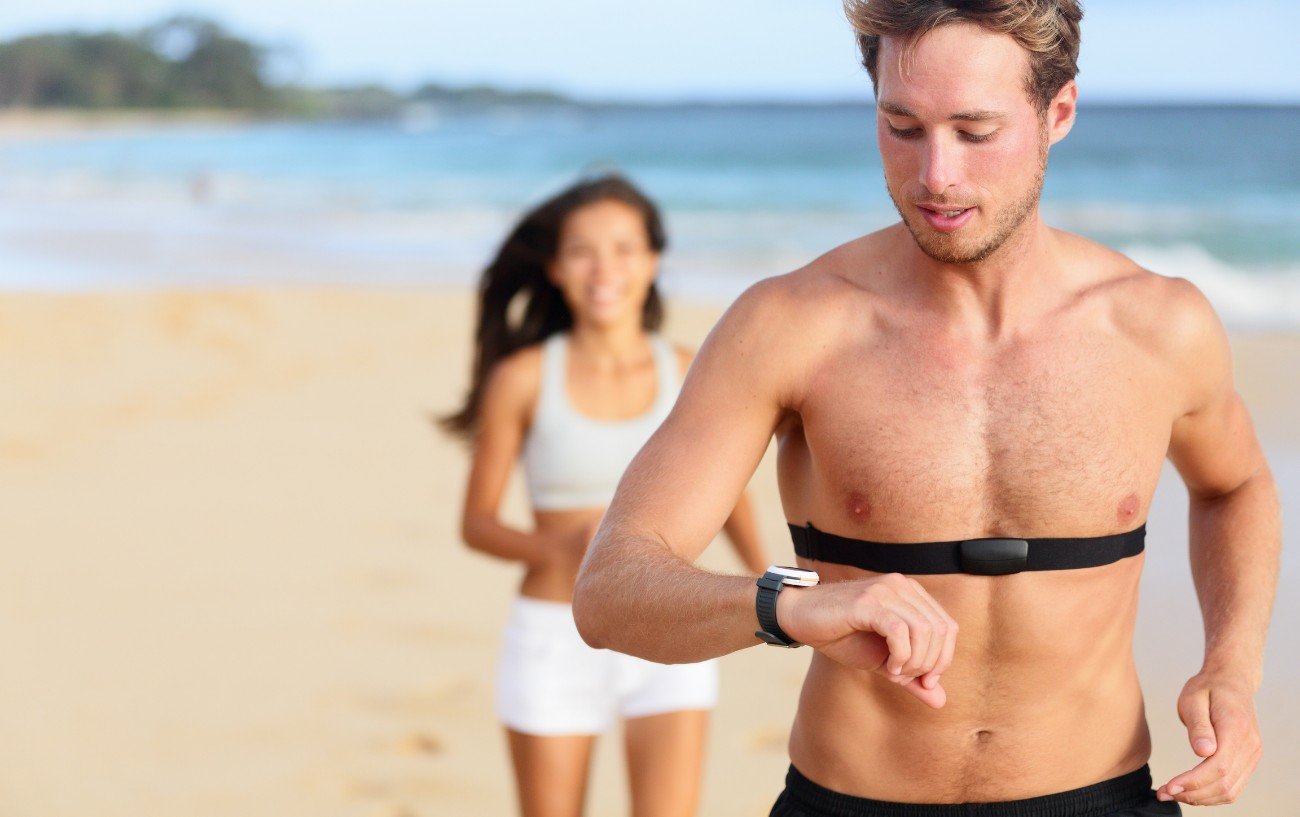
<point>604,264</point>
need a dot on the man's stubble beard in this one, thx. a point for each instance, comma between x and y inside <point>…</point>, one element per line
<point>946,251</point>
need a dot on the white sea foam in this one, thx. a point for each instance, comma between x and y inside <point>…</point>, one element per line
<point>714,254</point>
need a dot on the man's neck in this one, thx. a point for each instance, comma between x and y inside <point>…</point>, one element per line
<point>994,297</point>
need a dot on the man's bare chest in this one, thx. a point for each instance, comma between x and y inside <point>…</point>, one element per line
<point>1058,435</point>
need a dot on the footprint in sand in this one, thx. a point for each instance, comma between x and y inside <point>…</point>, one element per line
<point>767,738</point>
<point>385,579</point>
<point>419,743</point>
<point>388,793</point>
<point>433,699</point>
<point>18,449</point>
<point>453,690</point>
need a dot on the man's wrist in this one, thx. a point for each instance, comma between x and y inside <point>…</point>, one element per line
<point>785,603</point>
<point>773,584</point>
<point>1233,671</point>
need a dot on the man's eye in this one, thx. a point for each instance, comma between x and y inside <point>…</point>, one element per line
<point>904,133</point>
<point>978,137</point>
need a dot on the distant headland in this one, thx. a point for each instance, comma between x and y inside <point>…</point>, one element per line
<point>189,63</point>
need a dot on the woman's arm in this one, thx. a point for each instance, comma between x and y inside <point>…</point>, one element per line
<point>742,530</point>
<point>509,398</point>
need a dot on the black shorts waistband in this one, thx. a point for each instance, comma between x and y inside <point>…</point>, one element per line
<point>1126,791</point>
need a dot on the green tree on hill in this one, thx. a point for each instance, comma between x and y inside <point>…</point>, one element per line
<point>183,62</point>
<point>79,71</point>
<point>210,68</point>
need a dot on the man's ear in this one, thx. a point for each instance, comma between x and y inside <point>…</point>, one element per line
<point>1061,111</point>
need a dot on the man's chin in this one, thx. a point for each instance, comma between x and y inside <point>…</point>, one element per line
<point>946,248</point>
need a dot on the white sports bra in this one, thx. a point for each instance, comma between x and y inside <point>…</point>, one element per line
<point>574,461</point>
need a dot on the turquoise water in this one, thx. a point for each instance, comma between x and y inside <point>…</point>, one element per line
<point>1212,193</point>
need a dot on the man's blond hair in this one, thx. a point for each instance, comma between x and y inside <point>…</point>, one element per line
<point>1047,29</point>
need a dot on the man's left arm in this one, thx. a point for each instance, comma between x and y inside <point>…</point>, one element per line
<point>1236,540</point>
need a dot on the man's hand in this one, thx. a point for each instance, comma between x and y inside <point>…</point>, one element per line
<point>887,624</point>
<point>1219,713</point>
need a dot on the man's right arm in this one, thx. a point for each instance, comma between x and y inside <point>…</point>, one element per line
<point>639,591</point>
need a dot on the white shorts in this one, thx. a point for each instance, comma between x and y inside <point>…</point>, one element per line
<point>549,682</point>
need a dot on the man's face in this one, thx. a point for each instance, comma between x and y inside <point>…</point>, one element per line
<point>964,148</point>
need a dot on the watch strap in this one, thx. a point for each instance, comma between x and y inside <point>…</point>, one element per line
<point>769,588</point>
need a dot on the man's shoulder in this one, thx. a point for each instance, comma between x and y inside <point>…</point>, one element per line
<point>1163,312</point>
<point>828,286</point>
<point>780,328</point>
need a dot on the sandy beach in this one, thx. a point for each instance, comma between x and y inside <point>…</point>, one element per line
<point>235,585</point>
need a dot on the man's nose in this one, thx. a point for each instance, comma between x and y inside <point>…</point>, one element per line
<point>938,166</point>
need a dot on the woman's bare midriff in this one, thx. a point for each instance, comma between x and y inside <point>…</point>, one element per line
<point>555,581</point>
<point>1043,695</point>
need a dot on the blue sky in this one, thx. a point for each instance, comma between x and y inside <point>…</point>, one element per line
<point>672,49</point>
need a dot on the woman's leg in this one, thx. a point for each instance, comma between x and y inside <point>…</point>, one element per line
<point>550,773</point>
<point>665,761</point>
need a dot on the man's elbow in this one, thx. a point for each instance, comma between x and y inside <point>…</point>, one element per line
<point>587,612</point>
<point>1258,479</point>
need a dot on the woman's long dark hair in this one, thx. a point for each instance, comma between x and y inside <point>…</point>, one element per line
<point>519,271</point>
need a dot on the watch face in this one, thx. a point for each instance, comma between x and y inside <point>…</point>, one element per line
<point>796,576</point>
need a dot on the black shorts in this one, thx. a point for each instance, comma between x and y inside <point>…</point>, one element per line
<point>1129,795</point>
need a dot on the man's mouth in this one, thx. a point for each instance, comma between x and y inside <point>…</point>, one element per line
<point>945,218</point>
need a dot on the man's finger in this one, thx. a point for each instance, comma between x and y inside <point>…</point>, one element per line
<point>1210,784</point>
<point>1219,778</point>
<point>931,696</point>
<point>932,657</point>
<point>1194,711</point>
<point>899,639</point>
<point>947,634</point>
<point>938,628</point>
<point>1192,779</point>
<point>1225,787</point>
<point>1208,780</point>
<point>922,636</point>
<point>945,656</point>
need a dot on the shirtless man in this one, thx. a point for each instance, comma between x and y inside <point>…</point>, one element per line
<point>965,374</point>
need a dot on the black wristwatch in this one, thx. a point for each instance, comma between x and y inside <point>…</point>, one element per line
<point>769,587</point>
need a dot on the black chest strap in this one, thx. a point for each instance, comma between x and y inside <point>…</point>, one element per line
<point>985,557</point>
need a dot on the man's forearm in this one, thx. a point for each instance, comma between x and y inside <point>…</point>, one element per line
<point>1236,542</point>
<point>636,596</point>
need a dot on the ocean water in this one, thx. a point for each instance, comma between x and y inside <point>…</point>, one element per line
<point>1208,193</point>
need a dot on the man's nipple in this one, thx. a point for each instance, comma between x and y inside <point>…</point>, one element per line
<point>859,509</point>
<point>1128,508</point>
